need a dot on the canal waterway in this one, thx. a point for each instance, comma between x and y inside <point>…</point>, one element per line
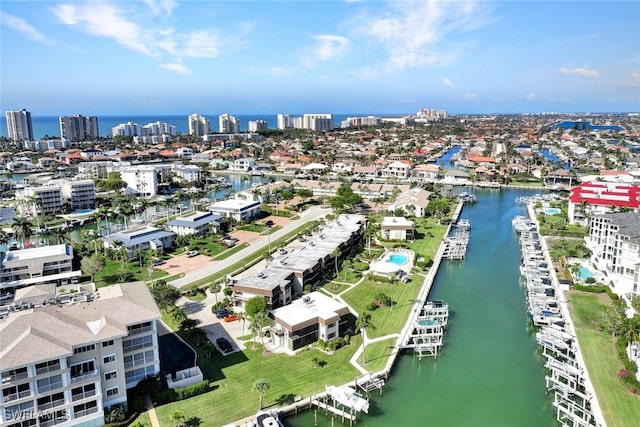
<point>445,159</point>
<point>489,372</point>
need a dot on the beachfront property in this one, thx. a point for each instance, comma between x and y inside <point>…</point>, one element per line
<point>306,320</point>
<point>594,198</point>
<point>397,227</point>
<point>32,266</point>
<point>241,208</point>
<point>614,241</point>
<point>140,238</point>
<point>63,363</point>
<point>197,223</point>
<point>413,202</point>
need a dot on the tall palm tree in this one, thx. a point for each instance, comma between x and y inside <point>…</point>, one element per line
<point>58,235</point>
<point>23,228</point>
<point>261,386</point>
<point>629,329</point>
<point>336,255</point>
<point>362,323</point>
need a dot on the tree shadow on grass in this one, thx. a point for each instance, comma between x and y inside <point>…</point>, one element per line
<point>193,422</point>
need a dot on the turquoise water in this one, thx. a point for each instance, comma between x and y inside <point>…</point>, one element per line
<point>397,259</point>
<point>490,372</point>
<point>585,273</point>
<point>552,211</point>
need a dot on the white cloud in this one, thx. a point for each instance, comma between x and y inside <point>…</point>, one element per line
<point>23,27</point>
<point>176,67</point>
<point>161,6</point>
<point>447,82</point>
<point>634,79</point>
<point>328,47</point>
<point>413,34</point>
<point>104,21</point>
<point>470,96</point>
<point>579,71</point>
<point>200,44</point>
<point>530,97</point>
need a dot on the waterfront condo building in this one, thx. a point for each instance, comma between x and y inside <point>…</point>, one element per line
<point>34,266</point>
<point>65,360</point>
<point>228,124</point>
<point>142,180</point>
<point>199,125</point>
<point>284,121</point>
<point>19,125</point>
<point>78,128</point>
<point>317,122</point>
<point>614,241</point>
<point>258,125</point>
<point>45,200</point>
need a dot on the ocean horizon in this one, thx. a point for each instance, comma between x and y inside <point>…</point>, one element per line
<point>50,125</point>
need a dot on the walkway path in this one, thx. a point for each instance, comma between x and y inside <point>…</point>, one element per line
<point>151,411</point>
<point>201,273</point>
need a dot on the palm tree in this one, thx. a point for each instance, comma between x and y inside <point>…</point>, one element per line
<point>177,417</point>
<point>336,254</point>
<point>178,315</point>
<point>23,228</point>
<point>362,323</point>
<point>629,329</point>
<point>262,387</point>
<point>214,288</point>
<point>59,236</point>
<point>4,241</point>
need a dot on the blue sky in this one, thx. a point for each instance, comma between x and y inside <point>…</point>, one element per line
<point>240,57</point>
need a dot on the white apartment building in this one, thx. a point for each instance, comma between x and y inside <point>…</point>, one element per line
<point>80,194</point>
<point>361,121</point>
<point>228,124</point>
<point>185,152</point>
<point>134,129</point>
<point>95,170</point>
<point>46,144</point>
<point>614,241</point>
<point>33,266</point>
<point>317,122</point>
<point>199,223</point>
<point>199,125</point>
<point>19,125</point>
<point>159,128</point>
<point>284,121</point>
<point>48,199</point>
<point>397,170</point>
<point>187,173</point>
<point>64,363</point>
<point>258,125</point>
<point>141,179</point>
<point>240,208</point>
<point>244,164</point>
<point>78,127</point>
<point>144,238</point>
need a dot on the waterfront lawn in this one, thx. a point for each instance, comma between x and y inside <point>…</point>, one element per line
<point>619,406</point>
<point>377,354</point>
<point>233,397</point>
<point>384,319</point>
<point>112,273</point>
<point>429,235</point>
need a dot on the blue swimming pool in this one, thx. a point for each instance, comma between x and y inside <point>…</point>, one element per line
<point>585,273</point>
<point>552,211</point>
<point>397,259</point>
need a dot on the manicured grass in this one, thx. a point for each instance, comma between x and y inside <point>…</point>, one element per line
<point>384,319</point>
<point>110,273</point>
<point>619,406</point>
<point>232,397</point>
<point>377,354</point>
<point>226,254</point>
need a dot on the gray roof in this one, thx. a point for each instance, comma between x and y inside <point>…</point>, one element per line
<point>51,331</point>
<point>195,220</point>
<point>628,223</point>
<point>138,236</point>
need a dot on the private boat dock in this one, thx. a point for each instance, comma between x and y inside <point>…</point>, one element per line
<point>457,242</point>
<point>428,330</point>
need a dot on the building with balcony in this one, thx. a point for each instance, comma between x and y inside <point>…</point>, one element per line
<point>228,124</point>
<point>19,125</point>
<point>397,170</point>
<point>78,128</point>
<point>142,180</point>
<point>47,199</point>
<point>141,238</point>
<point>308,319</point>
<point>63,363</point>
<point>240,208</point>
<point>80,194</point>
<point>395,227</point>
<point>595,198</point>
<point>32,266</point>
<point>614,241</point>
<point>199,125</point>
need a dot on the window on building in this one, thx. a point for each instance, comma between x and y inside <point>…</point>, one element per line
<point>14,375</point>
<point>50,401</point>
<point>82,368</point>
<point>85,409</point>
<point>83,392</point>
<point>84,349</point>
<point>17,411</point>
<point>113,391</point>
<point>16,392</point>
<point>51,365</point>
<point>111,375</point>
<point>48,384</point>
<point>108,359</point>
<point>107,343</point>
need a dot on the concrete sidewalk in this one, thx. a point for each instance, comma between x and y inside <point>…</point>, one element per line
<point>309,215</point>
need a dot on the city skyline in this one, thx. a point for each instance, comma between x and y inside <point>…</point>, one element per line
<point>268,57</point>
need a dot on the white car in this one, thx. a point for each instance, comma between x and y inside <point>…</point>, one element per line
<point>191,254</point>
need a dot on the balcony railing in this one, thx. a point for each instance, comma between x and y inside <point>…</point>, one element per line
<point>50,405</point>
<point>15,377</point>
<point>85,412</point>
<point>91,375</point>
<point>46,369</point>
<point>83,395</point>
<point>136,331</point>
<point>16,396</point>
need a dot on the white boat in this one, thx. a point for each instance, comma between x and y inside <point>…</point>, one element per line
<point>268,419</point>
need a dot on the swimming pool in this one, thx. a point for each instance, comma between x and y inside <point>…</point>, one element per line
<point>397,259</point>
<point>552,211</point>
<point>585,273</point>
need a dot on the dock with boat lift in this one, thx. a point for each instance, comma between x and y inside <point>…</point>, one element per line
<point>457,243</point>
<point>426,336</point>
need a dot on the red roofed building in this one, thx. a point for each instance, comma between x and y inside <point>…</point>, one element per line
<point>600,198</point>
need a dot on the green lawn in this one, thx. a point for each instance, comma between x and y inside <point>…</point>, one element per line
<point>619,406</point>
<point>384,319</point>
<point>232,397</point>
<point>377,354</point>
<point>110,273</point>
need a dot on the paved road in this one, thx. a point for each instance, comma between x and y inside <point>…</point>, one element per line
<point>306,216</point>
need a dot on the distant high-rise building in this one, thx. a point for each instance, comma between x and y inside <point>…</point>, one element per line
<point>317,122</point>
<point>199,125</point>
<point>228,124</point>
<point>257,125</point>
<point>284,121</point>
<point>134,129</point>
<point>19,125</point>
<point>78,127</point>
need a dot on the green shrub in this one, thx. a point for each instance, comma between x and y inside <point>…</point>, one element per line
<point>372,306</point>
<point>115,414</point>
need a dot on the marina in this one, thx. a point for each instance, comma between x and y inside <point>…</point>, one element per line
<point>457,242</point>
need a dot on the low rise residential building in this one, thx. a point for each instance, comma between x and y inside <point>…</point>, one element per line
<point>199,223</point>
<point>308,319</point>
<point>64,363</point>
<point>397,170</point>
<point>142,238</point>
<point>595,198</point>
<point>141,180</point>
<point>80,194</point>
<point>32,266</point>
<point>413,201</point>
<point>47,199</point>
<point>394,227</point>
<point>240,208</point>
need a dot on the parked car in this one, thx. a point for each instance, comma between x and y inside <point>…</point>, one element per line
<point>220,314</point>
<point>157,262</point>
<point>269,223</point>
<point>224,345</point>
<point>230,317</point>
<point>191,254</point>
